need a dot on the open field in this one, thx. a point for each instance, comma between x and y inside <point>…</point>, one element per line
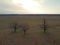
<point>35,35</point>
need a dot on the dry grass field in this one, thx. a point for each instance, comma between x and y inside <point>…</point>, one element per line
<point>35,35</point>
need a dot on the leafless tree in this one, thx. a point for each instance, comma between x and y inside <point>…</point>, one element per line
<point>14,26</point>
<point>24,27</point>
<point>44,26</point>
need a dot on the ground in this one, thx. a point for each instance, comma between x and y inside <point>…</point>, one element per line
<point>35,35</point>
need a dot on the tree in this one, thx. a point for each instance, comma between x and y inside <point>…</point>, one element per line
<point>14,26</point>
<point>44,25</point>
<point>24,27</point>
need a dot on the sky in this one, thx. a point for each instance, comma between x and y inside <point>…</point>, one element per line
<point>29,6</point>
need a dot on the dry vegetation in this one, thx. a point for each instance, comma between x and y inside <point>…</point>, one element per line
<point>34,35</point>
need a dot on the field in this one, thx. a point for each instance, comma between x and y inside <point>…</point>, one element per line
<point>34,35</point>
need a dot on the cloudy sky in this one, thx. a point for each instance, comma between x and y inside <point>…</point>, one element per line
<point>29,6</point>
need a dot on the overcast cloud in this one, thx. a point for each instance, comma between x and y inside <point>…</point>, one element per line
<point>48,7</point>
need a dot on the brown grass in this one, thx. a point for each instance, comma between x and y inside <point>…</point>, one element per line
<point>34,35</point>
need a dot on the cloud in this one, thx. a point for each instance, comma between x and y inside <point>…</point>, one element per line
<point>45,7</point>
<point>7,6</point>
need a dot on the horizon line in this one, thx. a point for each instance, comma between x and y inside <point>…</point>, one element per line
<point>29,14</point>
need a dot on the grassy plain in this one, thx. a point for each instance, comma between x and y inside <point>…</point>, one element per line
<point>34,35</point>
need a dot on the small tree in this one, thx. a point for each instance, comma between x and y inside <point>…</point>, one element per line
<point>14,26</point>
<point>24,27</point>
<point>44,25</point>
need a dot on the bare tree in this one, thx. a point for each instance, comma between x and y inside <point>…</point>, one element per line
<point>14,26</point>
<point>44,25</point>
<point>24,27</point>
